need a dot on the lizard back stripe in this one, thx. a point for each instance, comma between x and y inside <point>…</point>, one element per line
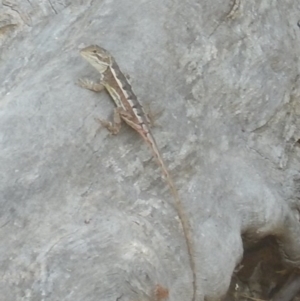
<point>128,94</point>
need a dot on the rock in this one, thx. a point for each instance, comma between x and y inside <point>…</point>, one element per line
<point>86,216</point>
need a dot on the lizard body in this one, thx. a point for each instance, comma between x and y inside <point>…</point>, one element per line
<point>131,111</point>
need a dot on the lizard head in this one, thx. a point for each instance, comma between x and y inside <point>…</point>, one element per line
<point>97,56</point>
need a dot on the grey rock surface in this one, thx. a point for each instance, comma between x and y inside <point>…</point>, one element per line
<point>86,216</point>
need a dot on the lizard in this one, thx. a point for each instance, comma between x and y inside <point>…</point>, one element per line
<point>129,109</point>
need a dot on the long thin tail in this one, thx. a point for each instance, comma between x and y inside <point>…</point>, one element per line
<point>178,207</point>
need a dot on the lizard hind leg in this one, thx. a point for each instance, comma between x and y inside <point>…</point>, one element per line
<point>112,127</point>
<point>127,117</point>
<point>152,116</point>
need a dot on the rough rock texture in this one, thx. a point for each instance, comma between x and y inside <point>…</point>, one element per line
<point>86,216</point>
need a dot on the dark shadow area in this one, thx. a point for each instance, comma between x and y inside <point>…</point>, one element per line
<point>262,275</point>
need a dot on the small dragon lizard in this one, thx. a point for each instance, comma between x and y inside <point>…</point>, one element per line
<point>131,111</point>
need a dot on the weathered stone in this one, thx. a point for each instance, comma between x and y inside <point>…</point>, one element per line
<point>86,216</point>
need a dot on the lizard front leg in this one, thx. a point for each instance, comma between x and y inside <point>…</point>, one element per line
<point>90,85</point>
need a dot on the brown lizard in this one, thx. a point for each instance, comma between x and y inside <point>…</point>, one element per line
<point>131,111</point>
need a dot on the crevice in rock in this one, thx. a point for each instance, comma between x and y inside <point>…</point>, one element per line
<point>262,275</point>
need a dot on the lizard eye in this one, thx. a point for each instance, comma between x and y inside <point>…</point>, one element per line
<point>95,51</point>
